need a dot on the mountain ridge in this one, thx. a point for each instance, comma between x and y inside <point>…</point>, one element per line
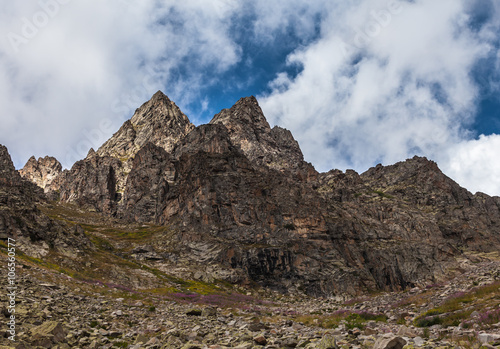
<point>247,208</point>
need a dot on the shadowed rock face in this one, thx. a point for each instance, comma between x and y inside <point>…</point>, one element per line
<point>91,183</point>
<point>148,184</point>
<point>245,204</point>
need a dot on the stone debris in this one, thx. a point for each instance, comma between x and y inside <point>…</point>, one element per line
<point>72,316</point>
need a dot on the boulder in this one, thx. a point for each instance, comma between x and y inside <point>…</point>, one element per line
<point>389,342</point>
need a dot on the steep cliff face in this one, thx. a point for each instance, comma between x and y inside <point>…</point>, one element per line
<point>467,219</point>
<point>246,207</point>
<point>99,181</point>
<point>20,218</point>
<point>91,183</point>
<point>145,196</point>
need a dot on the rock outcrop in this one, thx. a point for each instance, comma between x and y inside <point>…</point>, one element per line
<point>467,219</point>
<point>158,121</point>
<point>42,172</point>
<point>147,187</point>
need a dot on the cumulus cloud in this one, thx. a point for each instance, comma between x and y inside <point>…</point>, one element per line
<point>386,81</point>
<point>475,162</point>
<point>272,17</point>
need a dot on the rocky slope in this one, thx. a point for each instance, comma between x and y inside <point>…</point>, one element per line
<point>57,311</point>
<point>21,219</point>
<point>243,206</point>
<point>468,220</point>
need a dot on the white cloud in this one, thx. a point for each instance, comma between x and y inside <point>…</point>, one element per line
<point>386,81</point>
<point>476,163</point>
<point>281,16</point>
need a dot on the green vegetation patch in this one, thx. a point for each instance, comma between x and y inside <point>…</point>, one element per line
<point>459,306</point>
<point>351,318</point>
<point>100,243</point>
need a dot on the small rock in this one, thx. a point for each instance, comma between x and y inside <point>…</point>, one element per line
<point>153,341</point>
<point>488,338</point>
<point>209,312</point>
<point>141,339</point>
<point>419,341</point>
<point>260,340</point>
<point>369,331</point>
<point>392,342</point>
<point>256,327</point>
<point>194,312</point>
<point>115,334</point>
<point>290,343</point>
<point>327,342</point>
<point>191,345</point>
<point>48,332</point>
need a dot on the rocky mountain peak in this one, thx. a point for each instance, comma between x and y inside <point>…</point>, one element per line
<point>8,174</point>
<point>160,111</point>
<point>42,172</point>
<point>239,203</point>
<point>6,164</point>
<point>159,96</point>
<point>419,180</point>
<point>20,217</point>
<point>91,152</point>
<point>245,118</point>
<point>159,121</point>
<point>274,148</point>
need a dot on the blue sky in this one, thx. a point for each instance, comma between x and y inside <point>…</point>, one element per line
<point>357,82</point>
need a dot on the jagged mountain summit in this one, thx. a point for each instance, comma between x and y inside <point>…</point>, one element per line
<point>42,172</point>
<point>275,148</point>
<point>158,121</point>
<point>242,205</point>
